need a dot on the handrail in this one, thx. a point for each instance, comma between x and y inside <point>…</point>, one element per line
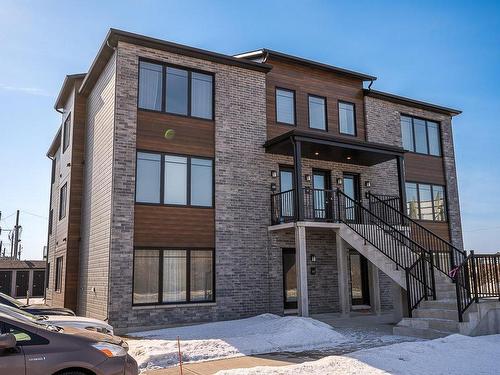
<point>439,247</point>
<point>417,283</point>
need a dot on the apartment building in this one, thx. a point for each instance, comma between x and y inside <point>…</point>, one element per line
<point>193,186</point>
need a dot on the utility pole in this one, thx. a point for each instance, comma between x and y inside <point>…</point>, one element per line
<point>16,235</point>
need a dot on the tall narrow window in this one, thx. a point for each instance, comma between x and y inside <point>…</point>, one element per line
<point>53,172</point>
<point>201,95</point>
<point>420,136</point>
<point>439,203</point>
<point>174,276</point>
<point>425,197</point>
<point>412,200</point>
<point>201,275</point>
<point>285,106</point>
<point>66,132</point>
<point>175,180</point>
<point>63,196</point>
<point>177,91</point>
<point>147,183</point>
<point>433,136</point>
<point>201,182</point>
<point>150,86</point>
<point>346,118</point>
<point>59,266</point>
<point>317,112</point>
<point>146,271</point>
<point>407,133</point>
<point>51,215</point>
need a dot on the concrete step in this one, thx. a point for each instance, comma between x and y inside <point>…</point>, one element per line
<point>419,332</point>
<point>447,304</point>
<point>436,314</point>
<point>443,325</point>
<point>446,295</point>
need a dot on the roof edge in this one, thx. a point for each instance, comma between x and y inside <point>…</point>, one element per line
<point>54,145</point>
<point>307,62</point>
<point>413,102</point>
<point>65,88</point>
<point>115,35</point>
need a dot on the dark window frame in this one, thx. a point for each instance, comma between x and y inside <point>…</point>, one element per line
<point>309,96</point>
<point>355,123</point>
<point>414,146</point>
<point>62,212</point>
<point>58,274</point>
<point>51,220</point>
<point>276,88</point>
<point>47,276</point>
<point>66,131</point>
<point>188,180</point>
<point>164,88</point>
<point>161,251</point>
<point>445,196</point>
<point>53,171</point>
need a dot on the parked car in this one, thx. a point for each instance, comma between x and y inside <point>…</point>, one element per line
<point>34,309</point>
<point>59,320</point>
<point>37,348</point>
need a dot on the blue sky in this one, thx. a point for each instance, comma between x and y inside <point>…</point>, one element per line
<point>445,52</point>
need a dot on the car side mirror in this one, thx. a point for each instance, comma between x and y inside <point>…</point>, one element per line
<point>7,341</point>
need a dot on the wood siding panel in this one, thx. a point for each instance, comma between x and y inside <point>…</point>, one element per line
<point>306,80</point>
<point>166,226</point>
<point>424,168</point>
<point>192,136</point>
<point>441,229</point>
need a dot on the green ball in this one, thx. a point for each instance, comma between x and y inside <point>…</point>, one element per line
<point>169,133</point>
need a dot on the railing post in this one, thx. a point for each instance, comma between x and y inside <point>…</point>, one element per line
<point>424,276</point>
<point>299,194</point>
<point>474,276</point>
<point>408,292</point>
<point>338,205</point>
<point>433,279</point>
<point>459,299</point>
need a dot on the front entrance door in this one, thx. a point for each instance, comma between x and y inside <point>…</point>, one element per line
<point>351,189</point>
<point>286,188</point>
<point>360,290</point>
<point>5,282</point>
<point>289,279</point>
<point>22,283</point>
<point>321,182</point>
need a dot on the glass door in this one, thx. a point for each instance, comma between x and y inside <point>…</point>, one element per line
<point>360,291</point>
<point>320,196</point>
<point>289,279</point>
<point>286,190</point>
<point>351,189</point>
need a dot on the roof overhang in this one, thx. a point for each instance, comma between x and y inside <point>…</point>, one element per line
<point>114,36</point>
<point>54,145</point>
<point>327,147</point>
<point>263,53</point>
<point>67,86</point>
<point>412,102</point>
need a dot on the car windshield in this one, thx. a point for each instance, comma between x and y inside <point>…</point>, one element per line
<point>11,300</point>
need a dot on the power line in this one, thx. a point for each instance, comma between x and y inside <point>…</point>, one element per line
<point>481,229</point>
<point>36,215</point>
<point>6,217</point>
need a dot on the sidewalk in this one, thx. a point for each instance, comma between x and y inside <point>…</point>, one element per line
<point>211,367</point>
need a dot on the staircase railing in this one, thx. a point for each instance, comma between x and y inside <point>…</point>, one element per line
<point>393,243</point>
<point>445,255</point>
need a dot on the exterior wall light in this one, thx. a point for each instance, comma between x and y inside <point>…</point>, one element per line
<point>368,184</point>
<point>313,258</point>
<point>273,187</point>
<point>274,174</point>
<point>339,181</point>
<point>308,177</point>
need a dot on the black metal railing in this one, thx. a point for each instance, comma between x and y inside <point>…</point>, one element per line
<point>487,274</point>
<point>464,279</point>
<point>283,207</point>
<point>445,255</point>
<point>418,282</point>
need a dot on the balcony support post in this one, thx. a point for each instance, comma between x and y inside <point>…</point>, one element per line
<point>402,183</point>
<point>301,267</point>
<point>299,194</point>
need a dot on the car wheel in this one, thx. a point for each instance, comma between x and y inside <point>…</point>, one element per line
<point>73,372</point>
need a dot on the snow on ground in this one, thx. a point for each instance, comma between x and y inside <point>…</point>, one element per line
<point>265,333</point>
<point>456,354</point>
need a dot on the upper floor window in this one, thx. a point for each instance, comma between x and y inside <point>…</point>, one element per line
<point>425,201</point>
<point>420,136</point>
<point>51,215</point>
<point>347,123</point>
<point>186,92</point>
<point>58,281</point>
<point>66,132</point>
<point>63,197</point>
<point>317,112</point>
<point>285,106</point>
<point>183,180</point>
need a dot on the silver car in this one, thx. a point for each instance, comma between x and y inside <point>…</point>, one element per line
<point>59,320</point>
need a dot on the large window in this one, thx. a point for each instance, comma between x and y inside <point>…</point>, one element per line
<point>186,92</point>
<point>66,132</point>
<point>420,136</point>
<point>317,112</point>
<point>425,201</point>
<point>63,197</point>
<point>347,123</point>
<point>184,180</point>
<point>58,281</point>
<point>163,276</point>
<point>285,106</point>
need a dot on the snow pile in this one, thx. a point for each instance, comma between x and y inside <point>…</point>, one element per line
<point>456,354</point>
<point>261,334</point>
